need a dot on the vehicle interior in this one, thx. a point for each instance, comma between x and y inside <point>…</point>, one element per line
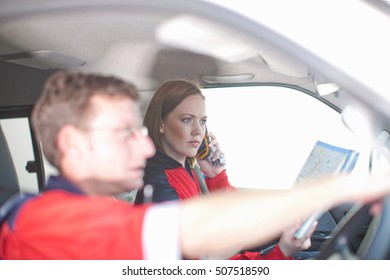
<point>262,89</point>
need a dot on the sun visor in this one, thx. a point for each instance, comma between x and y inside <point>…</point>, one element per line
<point>44,59</point>
<point>190,33</point>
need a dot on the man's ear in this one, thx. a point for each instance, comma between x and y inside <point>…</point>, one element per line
<point>70,141</point>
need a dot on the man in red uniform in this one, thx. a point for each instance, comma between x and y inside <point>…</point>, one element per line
<point>90,130</point>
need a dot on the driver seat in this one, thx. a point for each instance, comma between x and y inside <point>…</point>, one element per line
<point>9,184</point>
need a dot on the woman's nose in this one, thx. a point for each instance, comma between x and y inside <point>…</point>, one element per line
<point>197,129</point>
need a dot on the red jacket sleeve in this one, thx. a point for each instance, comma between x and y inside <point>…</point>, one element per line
<point>274,254</point>
<point>219,182</point>
<point>75,227</point>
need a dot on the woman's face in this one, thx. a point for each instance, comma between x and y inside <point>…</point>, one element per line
<point>182,130</point>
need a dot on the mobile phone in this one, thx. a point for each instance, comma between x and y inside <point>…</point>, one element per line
<point>204,150</point>
<point>207,152</point>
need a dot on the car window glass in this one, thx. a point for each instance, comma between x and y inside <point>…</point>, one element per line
<point>18,137</point>
<point>267,133</point>
<point>380,161</point>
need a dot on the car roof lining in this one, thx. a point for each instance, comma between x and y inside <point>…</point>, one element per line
<point>142,59</point>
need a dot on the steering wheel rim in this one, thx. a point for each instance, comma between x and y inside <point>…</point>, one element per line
<point>378,247</point>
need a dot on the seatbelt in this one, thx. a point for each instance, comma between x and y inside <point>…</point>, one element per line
<point>200,176</point>
<point>12,204</point>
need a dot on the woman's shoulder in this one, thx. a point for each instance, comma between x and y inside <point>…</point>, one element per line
<point>161,161</point>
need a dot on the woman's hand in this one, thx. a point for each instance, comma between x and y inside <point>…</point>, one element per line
<point>206,165</point>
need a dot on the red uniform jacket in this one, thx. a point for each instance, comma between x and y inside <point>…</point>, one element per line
<point>63,223</point>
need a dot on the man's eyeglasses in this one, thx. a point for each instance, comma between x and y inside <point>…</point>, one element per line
<point>126,132</point>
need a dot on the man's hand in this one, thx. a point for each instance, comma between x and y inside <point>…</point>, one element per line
<point>289,245</point>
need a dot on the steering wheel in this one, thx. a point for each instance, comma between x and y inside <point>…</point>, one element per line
<point>378,248</point>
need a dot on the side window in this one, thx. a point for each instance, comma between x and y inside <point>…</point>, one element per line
<point>18,165</point>
<point>18,142</point>
<point>267,133</point>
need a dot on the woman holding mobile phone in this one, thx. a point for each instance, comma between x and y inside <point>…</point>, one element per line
<point>176,119</point>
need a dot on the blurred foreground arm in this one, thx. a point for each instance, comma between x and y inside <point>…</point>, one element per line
<point>228,221</point>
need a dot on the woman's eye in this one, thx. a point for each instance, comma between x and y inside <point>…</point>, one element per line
<point>203,122</point>
<point>187,120</point>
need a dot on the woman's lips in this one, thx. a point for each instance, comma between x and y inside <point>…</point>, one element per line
<point>194,143</point>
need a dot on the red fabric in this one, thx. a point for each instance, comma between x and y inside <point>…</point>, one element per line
<point>186,187</point>
<point>69,226</point>
<point>274,254</point>
<point>181,181</point>
<point>219,182</point>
